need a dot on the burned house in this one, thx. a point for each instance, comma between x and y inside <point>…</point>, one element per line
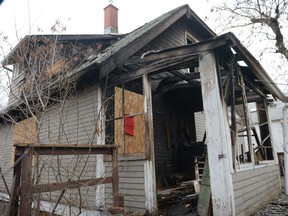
<point>170,95</point>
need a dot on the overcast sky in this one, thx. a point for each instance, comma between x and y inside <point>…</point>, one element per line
<point>22,17</point>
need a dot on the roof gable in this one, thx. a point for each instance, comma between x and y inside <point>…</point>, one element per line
<point>138,38</point>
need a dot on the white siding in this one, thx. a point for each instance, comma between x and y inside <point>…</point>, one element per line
<point>6,134</point>
<point>74,121</point>
<point>277,135</point>
<point>131,184</point>
<point>200,125</point>
<point>254,188</point>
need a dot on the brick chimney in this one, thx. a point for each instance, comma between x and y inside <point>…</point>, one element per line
<point>110,19</point>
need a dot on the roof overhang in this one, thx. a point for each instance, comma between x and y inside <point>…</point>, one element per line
<point>256,68</point>
<point>10,58</point>
<point>173,58</point>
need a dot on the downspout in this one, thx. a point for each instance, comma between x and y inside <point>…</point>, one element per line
<point>285,146</point>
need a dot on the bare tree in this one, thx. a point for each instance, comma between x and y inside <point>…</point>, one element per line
<point>261,16</point>
<point>262,25</point>
<point>50,110</point>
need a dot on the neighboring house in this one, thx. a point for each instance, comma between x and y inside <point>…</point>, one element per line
<point>275,113</point>
<point>148,92</point>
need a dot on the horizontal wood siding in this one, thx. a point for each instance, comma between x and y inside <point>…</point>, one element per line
<point>254,188</point>
<point>172,37</point>
<point>161,127</point>
<point>6,134</point>
<point>200,125</point>
<point>74,121</point>
<point>15,92</point>
<point>131,185</point>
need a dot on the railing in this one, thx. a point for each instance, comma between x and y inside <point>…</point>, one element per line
<point>22,188</point>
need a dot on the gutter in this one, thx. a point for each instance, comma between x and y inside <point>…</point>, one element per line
<point>285,147</point>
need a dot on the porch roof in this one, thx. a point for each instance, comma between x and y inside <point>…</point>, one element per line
<point>171,58</point>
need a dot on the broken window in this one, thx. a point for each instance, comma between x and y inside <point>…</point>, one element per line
<point>252,143</point>
<point>189,39</point>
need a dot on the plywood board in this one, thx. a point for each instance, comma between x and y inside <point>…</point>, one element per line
<point>25,131</point>
<point>56,68</point>
<point>133,106</point>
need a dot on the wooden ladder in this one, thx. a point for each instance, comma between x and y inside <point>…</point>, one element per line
<point>199,167</point>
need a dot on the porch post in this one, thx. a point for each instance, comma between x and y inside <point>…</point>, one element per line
<point>285,141</point>
<point>149,164</point>
<point>218,138</point>
<point>100,140</point>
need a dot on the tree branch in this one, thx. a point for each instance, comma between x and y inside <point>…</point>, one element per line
<point>273,23</point>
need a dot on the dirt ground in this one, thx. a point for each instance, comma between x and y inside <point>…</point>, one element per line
<point>276,207</point>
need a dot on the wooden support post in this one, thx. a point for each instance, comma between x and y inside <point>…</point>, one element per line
<point>217,138</point>
<point>25,191</point>
<point>14,198</point>
<point>100,140</point>
<point>115,175</point>
<point>248,124</point>
<point>149,165</point>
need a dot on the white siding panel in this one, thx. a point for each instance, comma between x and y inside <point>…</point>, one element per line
<point>200,125</point>
<point>6,134</point>
<point>277,133</point>
<point>131,184</point>
<point>71,122</point>
<point>254,188</point>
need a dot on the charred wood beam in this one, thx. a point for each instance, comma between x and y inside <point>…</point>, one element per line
<point>257,69</point>
<point>232,98</point>
<point>182,76</point>
<point>63,149</point>
<point>195,49</point>
<point>251,97</point>
<point>174,79</point>
<point>255,89</point>
<point>155,67</point>
<point>227,84</point>
<point>125,51</point>
<point>153,61</point>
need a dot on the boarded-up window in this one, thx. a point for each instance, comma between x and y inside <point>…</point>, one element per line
<point>56,68</point>
<point>24,131</point>
<point>129,121</point>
